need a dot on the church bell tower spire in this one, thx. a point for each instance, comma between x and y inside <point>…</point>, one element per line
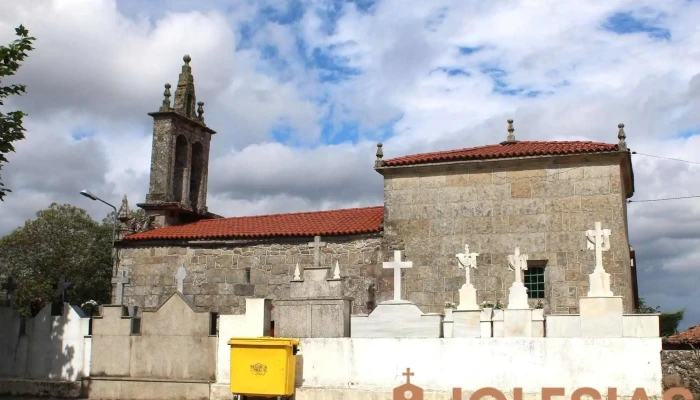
<point>179,156</point>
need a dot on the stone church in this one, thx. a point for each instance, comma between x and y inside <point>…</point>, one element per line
<point>540,196</point>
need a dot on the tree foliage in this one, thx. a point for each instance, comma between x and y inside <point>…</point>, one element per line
<point>62,240</point>
<point>668,322</point>
<point>11,128</point>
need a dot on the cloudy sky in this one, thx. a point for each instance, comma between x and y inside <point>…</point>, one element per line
<point>300,92</point>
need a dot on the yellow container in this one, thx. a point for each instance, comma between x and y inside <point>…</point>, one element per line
<point>263,367</point>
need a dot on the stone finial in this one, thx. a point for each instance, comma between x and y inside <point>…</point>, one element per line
<point>185,99</point>
<point>380,154</point>
<point>166,100</point>
<point>200,111</point>
<point>123,214</point>
<point>511,135</point>
<point>621,136</point>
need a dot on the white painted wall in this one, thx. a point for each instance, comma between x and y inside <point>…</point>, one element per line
<point>52,349</point>
<point>474,363</point>
<point>254,323</point>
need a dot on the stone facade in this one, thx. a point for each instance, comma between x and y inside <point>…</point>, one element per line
<point>544,206</point>
<point>682,368</point>
<point>221,275</point>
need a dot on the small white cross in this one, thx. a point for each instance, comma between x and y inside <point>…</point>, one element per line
<point>120,281</point>
<point>180,276</point>
<point>316,245</point>
<point>397,265</point>
<point>467,260</point>
<point>518,263</point>
<point>598,240</point>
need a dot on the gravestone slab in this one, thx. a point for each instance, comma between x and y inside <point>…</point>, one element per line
<point>316,306</point>
<point>467,323</point>
<point>538,323</point>
<point>563,326</point>
<point>395,319</point>
<point>601,316</point>
<point>313,318</point>
<point>517,323</point>
<point>497,323</point>
<point>485,324</point>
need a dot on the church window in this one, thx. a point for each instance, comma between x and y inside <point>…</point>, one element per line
<point>197,164</point>
<point>534,281</point>
<point>180,165</point>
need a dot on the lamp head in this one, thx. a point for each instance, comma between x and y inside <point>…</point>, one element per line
<point>88,195</point>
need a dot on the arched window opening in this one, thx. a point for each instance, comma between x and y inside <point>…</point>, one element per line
<point>196,173</point>
<point>180,165</point>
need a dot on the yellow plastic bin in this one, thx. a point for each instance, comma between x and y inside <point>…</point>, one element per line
<point>263,367</point>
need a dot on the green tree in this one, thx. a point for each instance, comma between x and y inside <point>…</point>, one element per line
<point>668,322</point>
<point>62,240</point>
<point>11,129</point>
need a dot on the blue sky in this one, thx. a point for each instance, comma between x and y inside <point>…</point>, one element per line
<point>301,91</point>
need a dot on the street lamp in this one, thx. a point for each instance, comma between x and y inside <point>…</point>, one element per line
<point>114,226</point>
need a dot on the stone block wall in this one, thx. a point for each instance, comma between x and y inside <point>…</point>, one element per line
<point>682,368</point>
<point>221,275</point>
<point>544,207</point>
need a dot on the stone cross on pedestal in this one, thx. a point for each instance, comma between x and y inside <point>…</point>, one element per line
<point>120,281</point>
<point>316,245</point>
<point>598,239</point>
<point>180,276</point>
<point>397,265</point>
<point>10,286</point>
<point>466,261</point>
<point>467,294</point>
<point>61,288</point>
<point>517,262</point>
<point>517,294</point>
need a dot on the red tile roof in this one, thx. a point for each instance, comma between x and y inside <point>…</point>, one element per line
<point>325,223</point>
<point>690,336</point>
<point>506,150</point>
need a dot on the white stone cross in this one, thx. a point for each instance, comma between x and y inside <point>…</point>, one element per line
<point>297,273</point>
<point>598,240</point>
<point>180,275</point>
<point>467,260</point>
<point>120,281</point>
<point>336,272</point>
<point>397,265</point>
<point>517,262</point>
<point>317,244</point>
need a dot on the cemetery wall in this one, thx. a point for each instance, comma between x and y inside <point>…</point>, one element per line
<point>682,368</point>
<point>222,274</point>
<point>544,207</point>
<point>49,357</point>
<point>352,368</point>
<point>174,343</point>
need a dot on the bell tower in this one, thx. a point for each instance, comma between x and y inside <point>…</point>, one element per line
<point>179,157</point>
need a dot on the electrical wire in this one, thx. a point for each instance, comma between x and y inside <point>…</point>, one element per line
<point>666,158</point>
<point>668,198</point>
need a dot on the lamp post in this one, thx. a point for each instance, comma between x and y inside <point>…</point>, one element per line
<point>114,226</point>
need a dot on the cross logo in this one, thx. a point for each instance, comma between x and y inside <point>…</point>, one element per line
<point>408,391</point>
